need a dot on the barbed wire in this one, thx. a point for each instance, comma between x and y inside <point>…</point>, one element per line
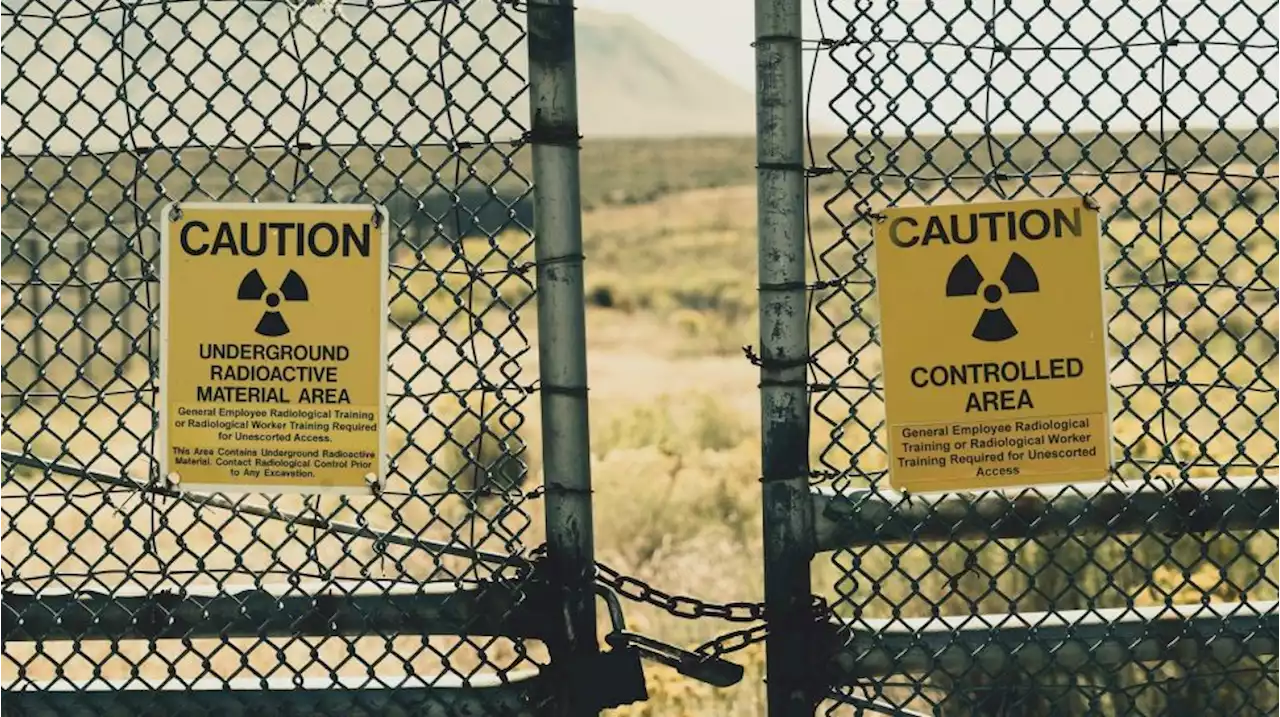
<point>1064,174</point>
<point>122,5</point>
<point>452,145</point>
<point>822,42</point>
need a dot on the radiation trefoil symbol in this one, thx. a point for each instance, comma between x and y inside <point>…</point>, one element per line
<point>253,288</point>
<point>1018,278</point>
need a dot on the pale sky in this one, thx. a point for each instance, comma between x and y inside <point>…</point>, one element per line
<point>922,66</point>
<point>719,33</point>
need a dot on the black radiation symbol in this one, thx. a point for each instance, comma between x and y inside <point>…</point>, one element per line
<point>253,288</point>
<point>1018,278</point>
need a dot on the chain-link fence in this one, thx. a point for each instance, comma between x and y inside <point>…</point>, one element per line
<point>1152,592</point>
<point>114,580</point>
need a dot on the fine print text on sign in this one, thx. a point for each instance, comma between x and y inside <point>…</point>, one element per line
<point>994,344</point>
<point>273,332</point>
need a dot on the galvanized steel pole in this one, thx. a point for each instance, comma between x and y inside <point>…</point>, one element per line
<point>562,350</point>
<point>784,353</point>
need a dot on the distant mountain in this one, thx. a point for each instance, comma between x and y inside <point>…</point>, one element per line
<point>634,82</point>
<point>234,73</point>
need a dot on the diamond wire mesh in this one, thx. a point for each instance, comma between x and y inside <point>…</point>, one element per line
<point>1163,113</point>
<point>113,109</point>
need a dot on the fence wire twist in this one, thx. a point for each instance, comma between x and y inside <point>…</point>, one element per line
<point>1163,113</point>
<point>114,109</point>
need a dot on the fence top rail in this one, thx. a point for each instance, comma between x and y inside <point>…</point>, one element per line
<point>312,588</point>
<point>1069,639</point>
<point>864,516</point>
<point>444,681</point>
<point>315,609</point>
<point>1065,618</point>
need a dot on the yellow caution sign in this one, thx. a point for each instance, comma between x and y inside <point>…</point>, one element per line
<point>995,364</point>
<point>273,333</point>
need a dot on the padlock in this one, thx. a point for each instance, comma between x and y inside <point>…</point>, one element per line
<point>703,668</point>
<point>614,677</point>
<point>607,679</point>
<point>618,678</point>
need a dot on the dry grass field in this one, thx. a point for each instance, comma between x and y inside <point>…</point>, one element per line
<point>674,420</point>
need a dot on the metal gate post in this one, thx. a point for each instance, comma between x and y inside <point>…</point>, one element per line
<point>562,352</point>
<point>784,354</point>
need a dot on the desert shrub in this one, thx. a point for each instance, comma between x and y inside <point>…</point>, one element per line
<point>674,425</point>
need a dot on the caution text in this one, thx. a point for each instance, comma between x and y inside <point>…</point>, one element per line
<point>1030,225</point>
<point>321,239</point>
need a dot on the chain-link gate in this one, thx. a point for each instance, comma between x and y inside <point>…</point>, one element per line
<point>123,593</point>
<point>1151,592</point>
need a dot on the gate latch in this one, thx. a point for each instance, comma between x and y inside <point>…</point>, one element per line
<point>705,668</point>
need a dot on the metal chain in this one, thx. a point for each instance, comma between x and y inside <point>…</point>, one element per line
<point>691,608</point>
<point>738,639</point>
<point>733,641</point>
<point>681,606</point>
